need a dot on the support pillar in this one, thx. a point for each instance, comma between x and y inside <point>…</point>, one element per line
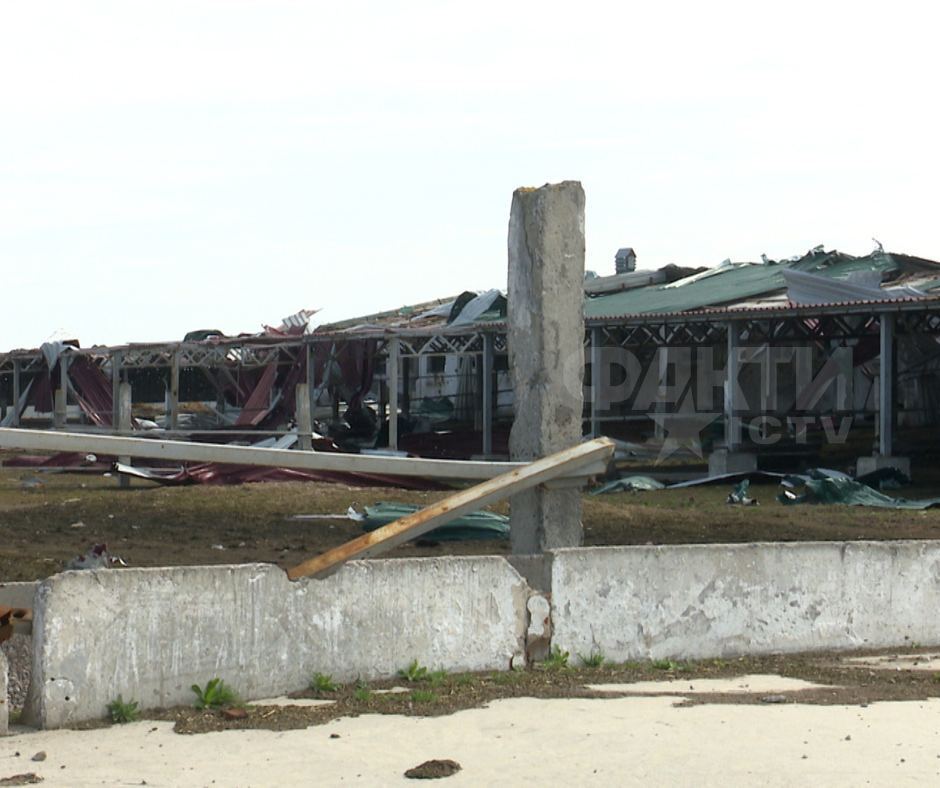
<point>16,393</point>
<point>730,459</point>
<point>302,414</point>
<point>173,404</point>
<point>61,397</point>
<point>487,394</point>
<point>122,423</point>
<point>391,372</point>
<point>886,405</point>
<point>311,369</point>
<point>546,354</point>
<point>596,362</point>
<point>116,360</point>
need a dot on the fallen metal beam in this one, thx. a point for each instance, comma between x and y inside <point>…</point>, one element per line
<point>568,462</point>
<point>181,451</point>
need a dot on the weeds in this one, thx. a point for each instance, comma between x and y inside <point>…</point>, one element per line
<point>414,672</point>
<point>121,712</point>
<point>322,683</point>
<point>593,660</point>
<point>557,660</point>
<point>362,694</point>
<point>423,696</point>
<point>216,695</point>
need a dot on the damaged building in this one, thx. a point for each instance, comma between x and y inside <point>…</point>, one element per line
<point>825,351</point>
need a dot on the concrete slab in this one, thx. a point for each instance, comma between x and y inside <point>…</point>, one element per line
<point>645,741</point>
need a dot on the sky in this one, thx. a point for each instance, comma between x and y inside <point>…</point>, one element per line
<point>170,166</point>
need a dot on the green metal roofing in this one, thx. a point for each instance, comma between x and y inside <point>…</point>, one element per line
<point>737,283</point>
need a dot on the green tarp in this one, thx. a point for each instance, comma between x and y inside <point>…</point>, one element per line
<point>476,525</point>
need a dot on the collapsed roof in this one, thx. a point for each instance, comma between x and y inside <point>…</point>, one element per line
<point>815,278</point>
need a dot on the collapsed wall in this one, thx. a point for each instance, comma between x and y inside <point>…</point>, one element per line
<point>149,634</point>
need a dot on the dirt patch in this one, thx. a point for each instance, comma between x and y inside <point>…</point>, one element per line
<point>843,683</point>
<point>433,770</point>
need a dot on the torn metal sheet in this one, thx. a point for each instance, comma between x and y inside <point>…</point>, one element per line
<point>472,526</point>
<point>821,488</point>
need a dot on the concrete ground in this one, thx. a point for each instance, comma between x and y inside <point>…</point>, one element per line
<point>641,740</point>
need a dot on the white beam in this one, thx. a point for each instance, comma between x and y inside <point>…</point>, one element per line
<point>181,451</point>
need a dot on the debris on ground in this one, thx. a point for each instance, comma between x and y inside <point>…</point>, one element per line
<point>629,484</point>
<point>739,495</point>
<point>97,557</point>
<point>820,485</point>
<point>476,525</point>
<point>433,770</point>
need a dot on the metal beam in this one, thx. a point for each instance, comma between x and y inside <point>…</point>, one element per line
<point>181,451</point>
<point>886,387</point>
<point>732,369</point>
<point>596,383</point>
<point>487,394</point>
<point>391,373</point>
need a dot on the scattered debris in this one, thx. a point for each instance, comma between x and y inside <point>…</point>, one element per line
<point>820,485</point>
<point>739,495</point>
<point>97,557</point>
<point>629,484</point>
<point>39,756</point>
<point>774,699</point>
<point>433,770</point>
<point>476,525</point>
<point>235,713</point>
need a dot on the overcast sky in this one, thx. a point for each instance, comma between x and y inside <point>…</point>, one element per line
<point>168,166</point>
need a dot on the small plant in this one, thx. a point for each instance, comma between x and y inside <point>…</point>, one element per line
<point>362,694</point>
<point>423,696</point>
<point>436,677</point>
<point>557,660</point>
<point>464,680</point>
<point>321,683</point>
<point>414,672</point>
<point>216,695</point>
<point>121,712</point>
<point>667,664</point>
<point>593,660</point>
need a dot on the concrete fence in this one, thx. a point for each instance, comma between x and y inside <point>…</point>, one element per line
<point>149,634</point>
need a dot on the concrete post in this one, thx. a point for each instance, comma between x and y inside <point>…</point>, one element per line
<point>546,353</point>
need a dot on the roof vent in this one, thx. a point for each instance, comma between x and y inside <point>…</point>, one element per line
<point>625,260</point>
